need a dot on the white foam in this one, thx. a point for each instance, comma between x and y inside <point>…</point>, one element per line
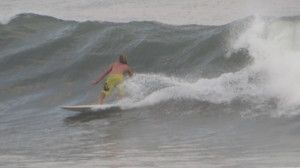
<point>275,48</point>
<point>150,89</point>
<point>274,73</point>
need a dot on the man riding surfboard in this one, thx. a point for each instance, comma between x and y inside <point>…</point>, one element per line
<point>115,77</point>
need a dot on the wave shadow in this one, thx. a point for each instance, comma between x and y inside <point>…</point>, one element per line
<point>87,116</point>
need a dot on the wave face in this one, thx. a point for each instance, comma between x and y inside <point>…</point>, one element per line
<point>245,69</point>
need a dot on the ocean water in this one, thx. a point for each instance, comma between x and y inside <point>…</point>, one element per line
<point>224,95</point>
<point>177,12</point>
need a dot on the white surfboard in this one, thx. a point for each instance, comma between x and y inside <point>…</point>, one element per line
<point>92,108</point>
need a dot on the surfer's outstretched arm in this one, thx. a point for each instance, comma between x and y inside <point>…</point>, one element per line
<point>103,75</point>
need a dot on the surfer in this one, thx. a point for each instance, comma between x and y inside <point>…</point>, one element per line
<point>115,73</point>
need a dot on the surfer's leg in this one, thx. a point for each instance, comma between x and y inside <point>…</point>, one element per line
<point>105,92</point>
<point>102,96</point>
<point>121,90</point>
<point>111,82</point>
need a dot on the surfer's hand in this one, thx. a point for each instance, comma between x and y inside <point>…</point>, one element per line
<point>94,82</point>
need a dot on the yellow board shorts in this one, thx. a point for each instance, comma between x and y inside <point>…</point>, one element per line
<point>112,81</point>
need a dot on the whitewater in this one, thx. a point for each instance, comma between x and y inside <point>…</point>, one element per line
<point>201,96</point>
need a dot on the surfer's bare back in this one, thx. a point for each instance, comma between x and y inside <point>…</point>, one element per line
<point>115,77</point>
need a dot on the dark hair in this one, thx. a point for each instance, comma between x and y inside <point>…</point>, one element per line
<point>123,59</point>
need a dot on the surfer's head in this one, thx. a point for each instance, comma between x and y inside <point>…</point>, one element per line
<point>123,59</point>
